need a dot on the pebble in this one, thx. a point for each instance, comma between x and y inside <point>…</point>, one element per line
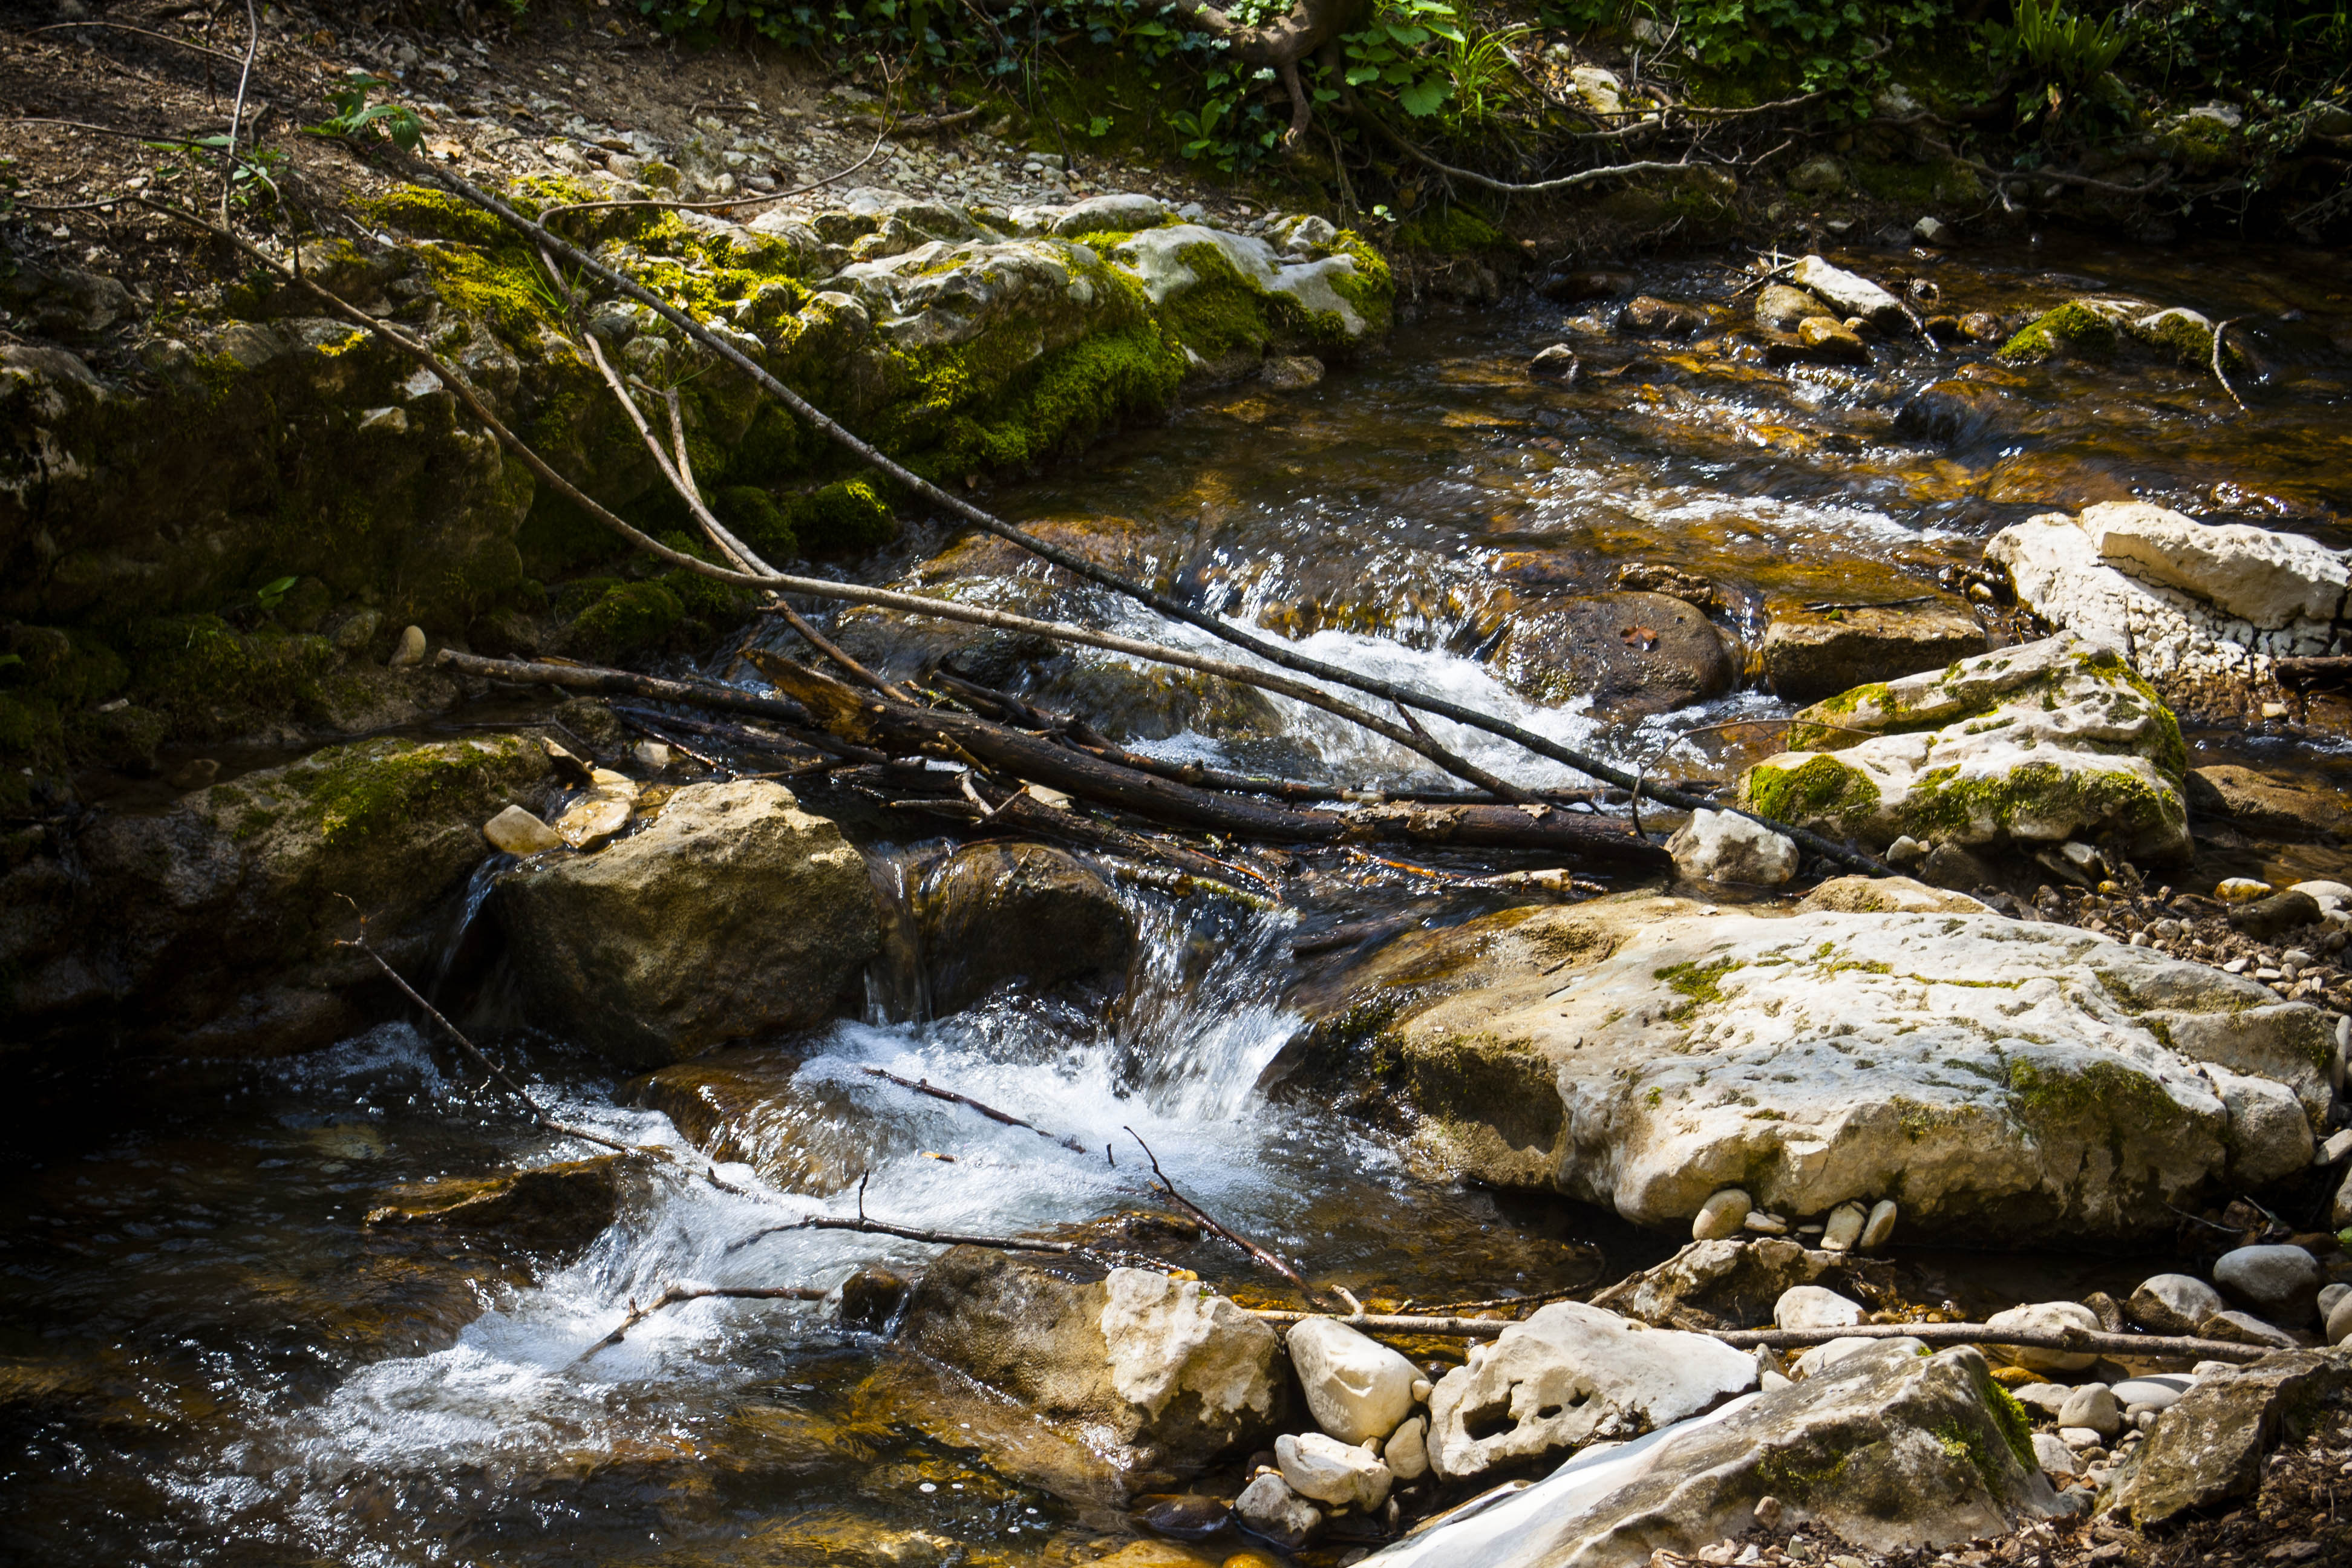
<point>2093,1406</point>
<point>1764,1224</point>
<point>411,651</point>
<point>1721,1215</point>
<point>2158,1390</point>
<point>2240,889</point>
<point>2339,1321</point>
<point>2049,1317</point>
<point>516,832</point>
<point>588,823</point>
<point>652,753</point>
<point>2054,1456</point>
<point>1843,1228</point>
<point>1879,1229</point>
<point>2082,1439</point>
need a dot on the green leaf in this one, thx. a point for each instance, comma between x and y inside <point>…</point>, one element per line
<point>1423,97</point>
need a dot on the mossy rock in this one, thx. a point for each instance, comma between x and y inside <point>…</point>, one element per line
<point>2073,331</point>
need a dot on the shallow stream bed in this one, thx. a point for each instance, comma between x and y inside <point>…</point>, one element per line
<point>207,1355</point>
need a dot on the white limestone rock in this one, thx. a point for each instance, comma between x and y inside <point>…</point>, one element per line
<point>2093,1405</point>
<point>1598,1374</point>
<point>2040,742</point>
<point>1407,1449</point>
<point>1356,1389</point>
<point>1333,1472</point>
<point>1722,1215</point>
<point>1721,846</point>
<point>2044,1317</point>
<point>2054,1455</point>
<point>1814,1307</point>
<point>2173,1303</point>
<point>1849,294</point>
<point>2270,580</point>
<point>1158,258</point>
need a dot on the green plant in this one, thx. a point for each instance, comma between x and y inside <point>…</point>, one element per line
<point>1831,47</point>
<point>1395,52</point>
<point>2063,45</point>
<point>354,118</point>
<point>270,594</point>
<point>1480,67</point>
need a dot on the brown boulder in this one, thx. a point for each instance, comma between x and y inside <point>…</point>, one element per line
<point>1647,316</point>
<point>997,913</point>
<point>1633,653</point>
<point>1811,655</point>
<point>2276,807</point>
<point>561,1206</point>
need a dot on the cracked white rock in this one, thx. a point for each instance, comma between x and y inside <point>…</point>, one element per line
<point>1722,847</point>
<point>1330,1471</point>
<point>1568,1374</point>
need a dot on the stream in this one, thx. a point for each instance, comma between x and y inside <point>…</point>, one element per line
<point>205,1355</point>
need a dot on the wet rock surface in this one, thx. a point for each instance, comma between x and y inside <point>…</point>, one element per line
<point>1813,655</point>
<point>1632,653</point>
<point>993,914</point>
<point>735,913</point>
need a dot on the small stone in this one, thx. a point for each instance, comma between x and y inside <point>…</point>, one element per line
<point>2173,1303</point>
<point>1720,846</point>
<point>1767,1512</point>
<point>2339,1321</point>
<point>2240,889</point>
<point>2245,1329</point>
<point>588,823</point>
<point>2093,1405</point>
<point>1832,341</point>
<point>2054,1456</point>
<point>1422,1389</point>
<point>1330,1471</point>
<point>516,831</point>
<point>1879,1229</point>
<point>2044,1399</point>
<point>1721,1215</point>
<point>1267,1507</point>
<point>2048,1317</point>
<point>1843,1228</point>
<point>2329,1295</point>
<point>1813,1307</point>
<point>2082,1439</point>
<point>652,754</point>
<point>1933,230</point>
<point>1764,1224</point>
<point>1557,362</point>
<point>1291,373</point>
<point>1355,1388</point>
<point>2282,1283</point>
<point>1182,1516</point>
<point>1407,1453</point>
<point>411,650</point>
<point>2158,1390</point>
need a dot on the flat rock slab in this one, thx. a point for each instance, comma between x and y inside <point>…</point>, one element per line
<point>1809,655</point>
<point>2207,1448</point>
<point>1996,1077</point>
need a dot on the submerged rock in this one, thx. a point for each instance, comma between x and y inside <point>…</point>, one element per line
<point>2269,806</point>
<point>1632,653</point>
<point>734,914</point>
<point>1811,655</point>
<point>993,914</point>
<point>1997,1078</point>
<point>1569,1374</point>
<point>1167,1377</point>
<point>563,1206</point>
<point>1889,1449</point>
<point>2040,742</point>
<point>803,1135</point>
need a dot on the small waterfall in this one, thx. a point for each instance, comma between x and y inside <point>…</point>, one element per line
<point>478,887</point>
<point>897,988</point>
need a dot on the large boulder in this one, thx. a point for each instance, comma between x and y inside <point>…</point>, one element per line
<point>1809,655</point>
<point>1630,653</point>
<point>1162,1376</point>
<point>991,914</point>
<point>1887,1448</point>
<point>1570,1374</point>
<point>732,914</point>
<point>1996,1077</point>
<point>209,928</point>
<point>2200,611</point>
<point>2033,744</point>
<point>2206,1450</point>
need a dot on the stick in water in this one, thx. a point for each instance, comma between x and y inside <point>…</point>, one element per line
<point>1210,1223</point>
<point>676,1294</point>
<point>924,1086</point>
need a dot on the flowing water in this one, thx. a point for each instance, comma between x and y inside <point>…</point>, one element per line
<point>205,1355</point>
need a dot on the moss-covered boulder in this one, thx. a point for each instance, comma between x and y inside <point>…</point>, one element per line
<point>209,928</point>
<point>2030,745</point>
<point>1996,1078</point>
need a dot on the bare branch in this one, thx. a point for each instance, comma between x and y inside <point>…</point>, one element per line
<point>678,1294</point>
<point>237,115</point>
<point>144,33</point>
<point>2218,374</point>
<point>924,1086</point>
<point>1210,1222</point>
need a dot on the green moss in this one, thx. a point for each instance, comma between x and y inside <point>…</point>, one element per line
<point>847,517</point>
<point>2016,1425</point>
<point>1697,982</point>
<point>2101,1091</point>
<point>209,680</point>
<point>1075,395</point>
<point>1450,231</point>
<point>2073,331</point>
<point>1942,804</point>
<point>1786,1474</point>
<point>1820,787</point>
<point>627,618</point>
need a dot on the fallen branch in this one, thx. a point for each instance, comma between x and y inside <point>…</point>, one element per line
<point>2076,1339</point>
<point>593,678</point>
<point>1272,652</point>
<point>2311,669</point>
<point>144,33</point>
<point>843,711</point>
<point>237,114</point>
<point>1023,812</point>
<point>1005,1117</point>
<point>678,1294</point>
<point>1210,1223</point>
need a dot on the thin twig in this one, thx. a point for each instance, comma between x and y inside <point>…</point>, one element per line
<point>144,33</point>
<point>237,114</point>
<point>676,1294</point>
<point>840,656</point>
<point>924,1086</point>
<point>1211,1223</point>
<point>2218,374</point>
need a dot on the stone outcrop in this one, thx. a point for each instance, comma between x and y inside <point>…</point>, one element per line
<point>732,914</point>
<point>1809,655</point>
<point>993,914</point>
<point>209,928</point>
<point>1163,1377</point>
<point>1889,1449</point>
<point>2033,744</point>
<point>1569,1374</point>
<point>1997,1079</point>
<point>2205,1448</point>
<point>2199,610</point>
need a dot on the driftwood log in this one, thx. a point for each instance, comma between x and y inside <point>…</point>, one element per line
<point>868,720</point>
